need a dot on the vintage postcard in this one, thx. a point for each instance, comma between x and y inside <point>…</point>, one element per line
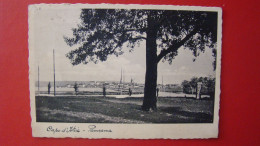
<point>124,71</point>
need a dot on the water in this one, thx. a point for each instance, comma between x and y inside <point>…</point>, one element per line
<point>110,93</point>
<point>65,89</point>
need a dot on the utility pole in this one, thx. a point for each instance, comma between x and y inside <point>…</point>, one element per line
<point>54,72</point>
<point>121,82</point>
<point>38,79</point>
<point>123,78</point>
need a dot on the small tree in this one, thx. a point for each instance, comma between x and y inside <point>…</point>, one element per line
<point>103,32</point>
<point>49,87</point>
<point>76,88</point>
<point>207,87</point>
<point>186,86</point>
<point>211,87</point>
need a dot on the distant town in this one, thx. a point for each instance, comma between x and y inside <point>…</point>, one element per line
<point>115,86</point>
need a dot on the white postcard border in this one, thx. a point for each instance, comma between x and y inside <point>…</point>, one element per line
<point>125,131</point>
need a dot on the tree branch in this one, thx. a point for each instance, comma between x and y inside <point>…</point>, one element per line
<point>176,46</point>
<point>117,46</point>
<point>139,38</point>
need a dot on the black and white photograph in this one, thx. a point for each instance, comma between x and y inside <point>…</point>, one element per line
<point>124,71</point>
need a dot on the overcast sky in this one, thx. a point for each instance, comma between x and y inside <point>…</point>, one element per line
<point>49,27</point>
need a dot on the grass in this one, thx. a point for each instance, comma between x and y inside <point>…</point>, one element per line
<point>128,110</point>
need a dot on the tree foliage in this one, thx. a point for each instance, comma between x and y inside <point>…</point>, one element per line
<point>103,32</point>
<point>208,85</point>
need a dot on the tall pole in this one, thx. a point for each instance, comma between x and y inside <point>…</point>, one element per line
<point>121,77</point>
<point>124,75</point>
<point>38,79</point>
<point>54,72</point>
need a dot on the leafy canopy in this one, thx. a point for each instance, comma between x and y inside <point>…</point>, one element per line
<point>208,85</point>
<point>103,32</point>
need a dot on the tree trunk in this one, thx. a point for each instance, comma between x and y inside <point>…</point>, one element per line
<point>150,99</point>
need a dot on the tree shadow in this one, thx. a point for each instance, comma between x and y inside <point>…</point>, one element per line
<point>191,116</point>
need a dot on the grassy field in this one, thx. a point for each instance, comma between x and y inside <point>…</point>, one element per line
<point>127,110</point>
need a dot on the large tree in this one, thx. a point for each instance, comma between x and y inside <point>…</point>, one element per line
<point>103,32</point>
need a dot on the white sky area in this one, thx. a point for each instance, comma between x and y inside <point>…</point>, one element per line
<point>49,27</point>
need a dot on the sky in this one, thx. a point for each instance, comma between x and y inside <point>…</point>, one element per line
<point>50,25</point>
